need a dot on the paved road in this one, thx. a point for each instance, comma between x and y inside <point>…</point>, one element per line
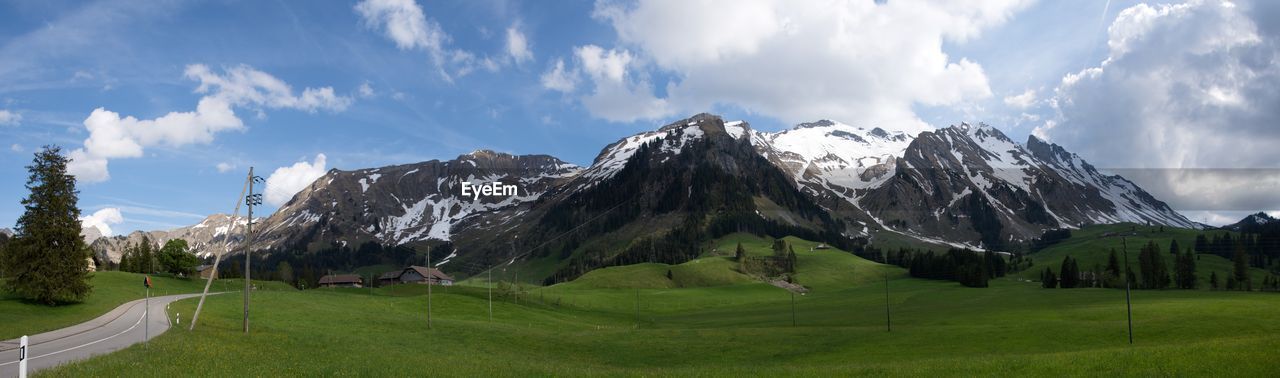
<point>115,330</point>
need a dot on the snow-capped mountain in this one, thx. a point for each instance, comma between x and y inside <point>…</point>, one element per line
<point>1252,223</point>
<point>959,185</point>
<point>973,184</point>
<point>413,202</point>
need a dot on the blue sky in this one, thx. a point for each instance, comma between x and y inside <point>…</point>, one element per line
<point>295,88</point>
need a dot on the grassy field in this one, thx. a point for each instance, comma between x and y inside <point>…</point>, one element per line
<point>681,326</point>
<point>110,289</point>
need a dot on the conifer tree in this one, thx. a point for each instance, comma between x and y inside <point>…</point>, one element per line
<point>47,261</point>
<point>1213,280</point>
<point>1241,266</point>
<point>739,253</point>
<point>1047,280</point>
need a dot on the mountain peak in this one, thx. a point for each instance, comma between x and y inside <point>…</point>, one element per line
<point>818,123</point>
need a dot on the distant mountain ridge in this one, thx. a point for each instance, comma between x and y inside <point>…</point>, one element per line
<point>962,185</point>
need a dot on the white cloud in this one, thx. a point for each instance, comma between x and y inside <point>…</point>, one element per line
<point>404,22</point>
<point>287,181</point>
<point>16,147</point>
<point>365,90</point>
<point>102,220</point>
<point>9,118</point>
<point>615,97</point>
<point>859,62</point>
<point>225,167</point>
<point>559,79</point>
<point>518,46</point>
<point>244,86</point>
<point>112,136</point>
<point>1021,101</point>
<point>1184,87</point>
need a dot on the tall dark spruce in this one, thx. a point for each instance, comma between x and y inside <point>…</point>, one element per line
<point>47,261</point>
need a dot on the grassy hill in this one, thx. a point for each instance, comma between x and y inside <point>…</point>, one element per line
<point>939,328</point>
<point>1093,244</point>
<point>709,319</point>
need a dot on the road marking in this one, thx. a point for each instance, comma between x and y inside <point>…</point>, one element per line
<point>135,325</point>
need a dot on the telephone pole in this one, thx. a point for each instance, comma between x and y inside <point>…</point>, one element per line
<point>490,272</point>
<point>217,259</point>
<point>429,284</point>
<point>251,200</point>
<point>1127,303</point>
<point>888,319</point>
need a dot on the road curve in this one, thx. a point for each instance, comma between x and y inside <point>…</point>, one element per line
<point>115,330</point>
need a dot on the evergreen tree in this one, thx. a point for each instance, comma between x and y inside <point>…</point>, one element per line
<point>146,257</point>
<point>1213,280</point>
<point>1047,279</point>
<point>739,253</point>
<point>1231,282</point>
<point>1155,274</point>
<point>1111,276</point>
<point>1202,244</point>
<point>47,260</point>
<point>1067,278</point>
<point>1241,266</point>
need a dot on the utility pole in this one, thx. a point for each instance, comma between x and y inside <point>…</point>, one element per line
<point>490,272</point>
<point>793,308</point>
<point>250,201</point>
<point>429,285</point>
<point>1127,303</point>
<point>888,319</point>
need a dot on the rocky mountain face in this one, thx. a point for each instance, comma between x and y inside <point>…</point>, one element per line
<point>203,239</point>
<point>414,203</point>
<point>699,177</point>
<point>973,184</point>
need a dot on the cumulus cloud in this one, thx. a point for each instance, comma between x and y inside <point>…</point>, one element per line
<point>518,46</point>
<point>112,136</point>
<point>287,181</point>
<point>102,220</point>
<point>1187,97</point>
<point>225,167</point>
<point>614,97</point>
<point>560,79</point>
<point>862,62</point>
<point>9,118</point>
<point>1021,101</point>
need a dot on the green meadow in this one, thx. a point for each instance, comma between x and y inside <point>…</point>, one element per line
<point>709,319</point>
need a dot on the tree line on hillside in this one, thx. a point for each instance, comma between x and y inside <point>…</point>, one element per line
<point>145,257</point>
<point>968,267</point>
<point>1260,249</point>
<point>1154,272</point>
